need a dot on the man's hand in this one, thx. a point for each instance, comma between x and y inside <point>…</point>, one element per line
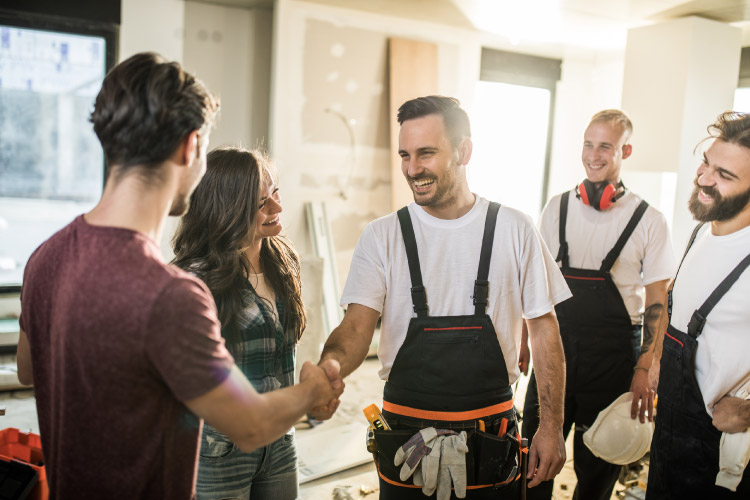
<point>643,396</point>
<point>325,392</point>
<point>732,414</point>
<point>546,456</point>
<point>332,370</point>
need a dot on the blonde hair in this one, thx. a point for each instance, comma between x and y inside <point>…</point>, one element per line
<point>615,116</point>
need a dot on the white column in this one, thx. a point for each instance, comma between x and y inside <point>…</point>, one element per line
<point>679,76</point>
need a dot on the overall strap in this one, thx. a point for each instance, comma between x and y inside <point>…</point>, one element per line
<point>418,295</point>
<point>481,285</point>
<point>690,244</point>
<point>562,254</point>
<point>613,254</point>
<point>687,248</point>
<point>698,320</point>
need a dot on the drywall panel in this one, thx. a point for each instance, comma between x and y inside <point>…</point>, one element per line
<point>344,77</point>
<point>230,50</point>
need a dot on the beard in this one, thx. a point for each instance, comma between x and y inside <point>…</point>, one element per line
<point>723,208</point>
<point>444,192</point>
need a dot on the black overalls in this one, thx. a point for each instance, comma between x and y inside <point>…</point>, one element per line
<point>450,374</point>
<point>684,459</point>
<point>601,348</point>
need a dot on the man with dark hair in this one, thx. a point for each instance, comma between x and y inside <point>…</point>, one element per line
<point>701,444</point>
<point>616,255</point>
<point>452,276</point>
<point>124,351</point>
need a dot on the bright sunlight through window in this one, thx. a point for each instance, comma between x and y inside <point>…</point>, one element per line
<point>509,132</point>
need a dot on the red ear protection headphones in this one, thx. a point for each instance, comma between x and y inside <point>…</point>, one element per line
<point>599,195</point>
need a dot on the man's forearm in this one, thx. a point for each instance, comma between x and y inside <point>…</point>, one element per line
<point>349,342</point>
<point>340,347</point>
<point>654,322</point>
<point>549,367</point>
<point>651,320</point>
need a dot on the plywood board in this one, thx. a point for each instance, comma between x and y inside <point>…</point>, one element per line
<point>413,72</point>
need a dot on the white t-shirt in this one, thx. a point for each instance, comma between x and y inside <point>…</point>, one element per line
<point>524,280</point>
<point>722,362</point>
<point>646,258</point>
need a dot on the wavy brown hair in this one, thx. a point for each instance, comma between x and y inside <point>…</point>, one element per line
<point>213,235</point>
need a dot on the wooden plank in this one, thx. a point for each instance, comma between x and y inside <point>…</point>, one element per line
<point>413,72</point>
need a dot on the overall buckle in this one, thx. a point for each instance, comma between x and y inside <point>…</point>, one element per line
<point>696,324</point>
<point>481,291</point>
<point>419,299</point>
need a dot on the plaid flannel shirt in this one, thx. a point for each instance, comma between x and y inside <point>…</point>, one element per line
<point>266,353</point>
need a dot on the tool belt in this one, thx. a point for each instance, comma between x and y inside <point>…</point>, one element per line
<point>493,460</point>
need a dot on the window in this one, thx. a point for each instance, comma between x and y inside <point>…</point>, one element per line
<point>742,94</point>
<point>51,163</point>
<point>511,128</point>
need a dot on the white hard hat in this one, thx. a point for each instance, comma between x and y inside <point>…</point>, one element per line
<point>617,438</point>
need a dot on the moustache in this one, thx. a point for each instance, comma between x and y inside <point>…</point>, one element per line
<point>708,190</point>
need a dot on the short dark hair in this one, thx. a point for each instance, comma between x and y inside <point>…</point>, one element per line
<point>454,117</point>
<point>146,106</point>
<point>732,126</point>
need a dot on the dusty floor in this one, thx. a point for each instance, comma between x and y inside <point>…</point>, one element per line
<point>364,387</point>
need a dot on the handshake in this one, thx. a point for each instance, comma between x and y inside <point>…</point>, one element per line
<point>326,385</point>
<point>435,457</point>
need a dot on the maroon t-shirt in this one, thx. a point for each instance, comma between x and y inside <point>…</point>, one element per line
<point>118,341</point>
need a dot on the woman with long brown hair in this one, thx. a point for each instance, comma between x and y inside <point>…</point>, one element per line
<point>231,239</point>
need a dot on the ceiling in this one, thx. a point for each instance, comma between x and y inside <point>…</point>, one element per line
<point>583,23</point>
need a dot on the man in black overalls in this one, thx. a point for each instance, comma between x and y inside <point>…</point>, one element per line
<point>611,245</point>
<point>704,351</point>
<point>451,320</point>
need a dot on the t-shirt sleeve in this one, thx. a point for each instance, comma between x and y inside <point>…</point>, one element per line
<point>549,224</point>
<point>184,342</point>
<point>542,283</point>
<point>26,293</point>
<point>365,283</point>
<point>658,259</point>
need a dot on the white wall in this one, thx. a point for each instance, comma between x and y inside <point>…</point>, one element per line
<point>690,67</point>
<point>229,49</point>
<point>152,25</point>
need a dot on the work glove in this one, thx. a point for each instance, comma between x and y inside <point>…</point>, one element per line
<point>452,466</point>
<point>412,452</point>
<point>427,474</point>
